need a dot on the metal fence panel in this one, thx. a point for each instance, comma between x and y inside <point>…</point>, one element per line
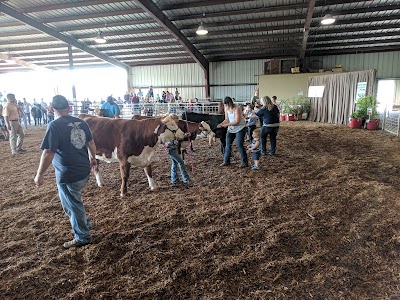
<point>391,122</point>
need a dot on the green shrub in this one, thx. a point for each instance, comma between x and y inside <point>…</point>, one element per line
<point>362,106</point>
<point>295,105</point>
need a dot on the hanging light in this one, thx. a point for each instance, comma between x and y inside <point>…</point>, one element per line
<point>7,57</point>
<point>10,60</point>
<point>100,38</point>
<point>202,30</point>
<point>328,19</point>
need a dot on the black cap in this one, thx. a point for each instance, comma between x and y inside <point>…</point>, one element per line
<point>59,102</point>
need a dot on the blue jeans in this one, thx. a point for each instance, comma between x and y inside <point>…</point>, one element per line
<point>272,132</point>
<point>70,196</point>
<point>177,161</point>
<point>230,137</point>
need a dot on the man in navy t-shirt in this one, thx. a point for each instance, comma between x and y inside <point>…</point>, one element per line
<point>69,145</point>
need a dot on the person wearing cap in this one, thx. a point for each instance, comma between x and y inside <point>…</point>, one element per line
<point>69,145</point>
<point>110,108</point>
<point>11,118</point>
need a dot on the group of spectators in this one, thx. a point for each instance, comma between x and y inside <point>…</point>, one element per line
<point>166,96</point>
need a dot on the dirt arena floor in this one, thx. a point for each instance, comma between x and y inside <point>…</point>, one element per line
<point>320,220</point>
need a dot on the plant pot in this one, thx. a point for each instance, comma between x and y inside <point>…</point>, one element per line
<point>289,117</point>
<point>372,124</point>
<point>283,117</point>
<point>355,123</point>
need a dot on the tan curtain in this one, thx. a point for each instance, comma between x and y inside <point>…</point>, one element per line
<point>338,101</point>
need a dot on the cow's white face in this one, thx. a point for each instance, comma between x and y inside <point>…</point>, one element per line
<point>206,128</point>
<point>172,131</point>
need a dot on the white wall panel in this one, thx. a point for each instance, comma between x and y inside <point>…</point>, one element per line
<point>236,79</point>
<point>386,63</point>
<point>188,78</point>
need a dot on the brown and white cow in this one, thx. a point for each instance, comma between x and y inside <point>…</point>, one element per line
<point>130,142</point>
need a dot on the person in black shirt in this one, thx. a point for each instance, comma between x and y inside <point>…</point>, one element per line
<point>269,112</point>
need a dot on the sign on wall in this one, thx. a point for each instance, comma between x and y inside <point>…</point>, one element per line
<point>316,91</point>
<point>361,90</point>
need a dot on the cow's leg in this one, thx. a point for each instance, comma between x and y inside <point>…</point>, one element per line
<point>211,139</point>
<point>99,179</point>
<point>124,168</point>
<point>183,153</point>
<point>152,184</point>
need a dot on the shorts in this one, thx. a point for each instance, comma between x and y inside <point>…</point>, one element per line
<point>256,155</point>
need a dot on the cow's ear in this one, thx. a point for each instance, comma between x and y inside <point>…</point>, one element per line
<point>168,121</point>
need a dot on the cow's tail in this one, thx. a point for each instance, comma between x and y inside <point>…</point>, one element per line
<point>99,179</point>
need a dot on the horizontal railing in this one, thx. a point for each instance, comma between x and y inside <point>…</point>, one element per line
<point>155,109</point>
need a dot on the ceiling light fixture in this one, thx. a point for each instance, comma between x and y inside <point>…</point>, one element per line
<point>201,30</point>
<point>10,60</point>
<point>328,19</point>
<point>100,38</point>
<point>7,57</point>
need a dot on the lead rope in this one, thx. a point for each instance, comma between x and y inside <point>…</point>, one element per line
<point>190,143</point>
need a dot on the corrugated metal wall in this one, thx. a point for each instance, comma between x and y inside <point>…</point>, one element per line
<point>236,79</point>
<point>386,63</point>
<point>188,78</point>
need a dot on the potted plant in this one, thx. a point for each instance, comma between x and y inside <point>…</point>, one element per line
<point>282,105</point>
<point>356,120</point>
<point>288,111</point>
<point>306,106</point>
<point>372,122</point>
<point>365,107</point>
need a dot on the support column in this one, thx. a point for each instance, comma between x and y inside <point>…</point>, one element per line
<point>71,68</point>
<point>129,73</point>
<point>207,78</point>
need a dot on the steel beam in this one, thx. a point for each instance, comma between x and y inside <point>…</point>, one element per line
<point>67,5</point>
<point>161,19</point>
<point>307,24</point>
<point>50,31</point>
<point>23,63</point>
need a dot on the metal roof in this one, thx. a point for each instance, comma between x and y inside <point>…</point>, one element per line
<point>145,32</point>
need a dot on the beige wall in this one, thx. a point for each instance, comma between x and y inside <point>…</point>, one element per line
<point>285,85</point>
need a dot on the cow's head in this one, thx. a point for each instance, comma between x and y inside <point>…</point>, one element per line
<point>168,131</point>
<point>205,127</point>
